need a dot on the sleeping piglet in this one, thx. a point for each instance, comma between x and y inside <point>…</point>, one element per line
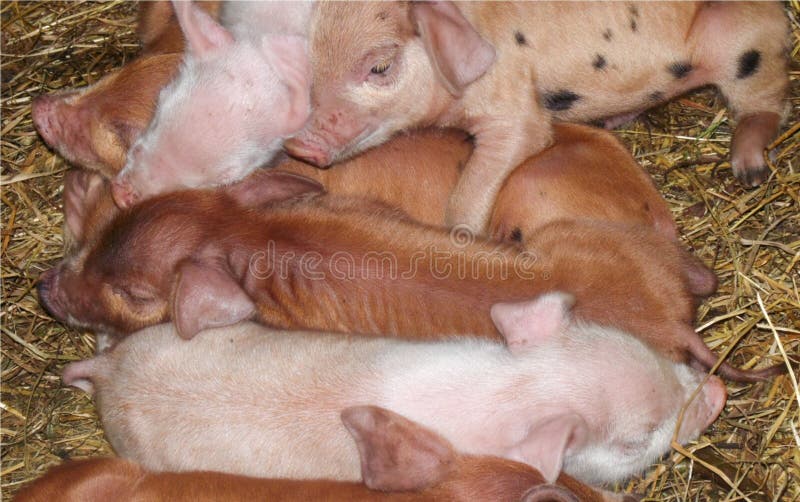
<point>93,127</point>
<point>504,70</point>
<point>211,258</point>
<point>250,400</point>
<point>400,461</point>
<point>237,95</point>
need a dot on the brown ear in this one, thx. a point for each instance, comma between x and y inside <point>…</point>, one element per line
<point>457,51</point>
<point>268,186</point>
<point>702,280</point>
<point>396,453</point>
<point>83,191</point>
<point>205,296</point>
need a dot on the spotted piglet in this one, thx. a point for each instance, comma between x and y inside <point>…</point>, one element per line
<point>505,70</point>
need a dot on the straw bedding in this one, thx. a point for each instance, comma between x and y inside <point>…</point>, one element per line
<point>750,237</point>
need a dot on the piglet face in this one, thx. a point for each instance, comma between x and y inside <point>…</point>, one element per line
<point>226,113</point>
<point>642,420</point>
<point>617,414</point>
<point>370,74</point>
<point>121,281</point>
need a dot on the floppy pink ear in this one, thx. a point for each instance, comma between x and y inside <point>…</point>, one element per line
<point>203,34</point>
<point>547,443</point>
<point>267,186</point>
<point>288,55</point>
<point>396,453</point>
<point>457,51</point>
<point>207,297</point>
<point>79,374</point>
<point>532,322</point>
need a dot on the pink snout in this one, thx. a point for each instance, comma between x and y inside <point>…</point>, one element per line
<point>705,409</point>
<point>125,195</point>
<point>308,152</point>
<point>45,118</point>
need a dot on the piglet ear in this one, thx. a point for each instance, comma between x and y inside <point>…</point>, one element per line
<point>267,186</point>
<point>80,375</point>
<point>396,453</point>
<point>288,56</point>
<point>207,297</point>
<point>548,441</point>
<point>203,34</point>
<point>532,322</point>
<point>457,51</point>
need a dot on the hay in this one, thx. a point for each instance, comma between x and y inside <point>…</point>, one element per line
<point>752,238</point>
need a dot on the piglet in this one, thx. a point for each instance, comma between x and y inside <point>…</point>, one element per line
<point>255,401</point>
<point>93,127</point>
<point>585,174</point>
<point>400,461</point>
<point>505,70</point>
<point>272,250</point>
<point>228,110</point>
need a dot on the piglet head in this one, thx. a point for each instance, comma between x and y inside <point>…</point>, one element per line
<point>618,400</point>
<point>372,62</point>
<point>225,114</point>
<point>165,259</point>
<point>118,282</point>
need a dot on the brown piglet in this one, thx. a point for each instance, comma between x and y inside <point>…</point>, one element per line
<point>400,461</point>
<point>344,264</point>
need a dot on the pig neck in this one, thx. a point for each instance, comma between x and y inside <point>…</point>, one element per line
<point>426,292</point>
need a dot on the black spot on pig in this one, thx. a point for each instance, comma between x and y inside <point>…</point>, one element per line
<point>748,63</point>
<point>634,26</point>
<point>634,10</point>
<point>382,16</point>
<point>520,38</point>
<point>516,235</point>
<point>656,97</point>
<point>608,35</point>
<point>680,69</point>
<point>560,100</point>
<point>599,62</point>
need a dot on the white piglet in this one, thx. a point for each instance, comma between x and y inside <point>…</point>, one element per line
<point>239,93</point>
<point>251,400</point>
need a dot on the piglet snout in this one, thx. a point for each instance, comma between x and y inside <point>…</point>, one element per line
<point>123,192</point>
<point>705,408</point>
<point>308,152</point>
<point>44,110</point>
<point>47,288</point>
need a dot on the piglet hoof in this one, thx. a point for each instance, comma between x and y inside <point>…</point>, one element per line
<point>752,135</point>
<point>549,493</point>
<point>124,194</point>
